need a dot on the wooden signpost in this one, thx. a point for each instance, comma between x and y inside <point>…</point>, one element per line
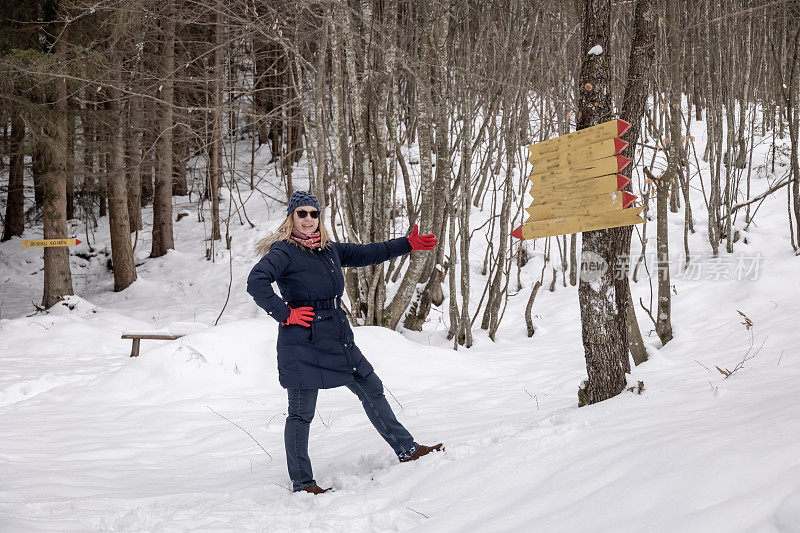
<point>50,242</point>
<point>576,185</point>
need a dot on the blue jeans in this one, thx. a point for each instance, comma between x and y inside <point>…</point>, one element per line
<point>302,404</point>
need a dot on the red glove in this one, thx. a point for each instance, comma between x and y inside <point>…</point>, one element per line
<point>302,316</point>
<point>421,242</point>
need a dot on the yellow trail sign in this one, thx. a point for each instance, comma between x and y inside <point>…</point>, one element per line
<point>579,223</point>
<point>578,189</point>
<point>50,242</point>
<point>581,138</point>
<point>577,158</point>
<point>556,171</point>
<point>580,206</point>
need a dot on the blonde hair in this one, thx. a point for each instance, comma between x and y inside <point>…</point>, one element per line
<point>284,232</point>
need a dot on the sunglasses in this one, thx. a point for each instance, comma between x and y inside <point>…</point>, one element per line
<point>302,213</point>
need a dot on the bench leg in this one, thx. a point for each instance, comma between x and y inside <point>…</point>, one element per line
<point>135,348</point>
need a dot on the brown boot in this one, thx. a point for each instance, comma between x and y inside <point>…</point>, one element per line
<point>316,489</point>
<point>424,450</point>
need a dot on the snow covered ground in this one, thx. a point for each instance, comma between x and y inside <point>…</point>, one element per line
<point>92,440</point>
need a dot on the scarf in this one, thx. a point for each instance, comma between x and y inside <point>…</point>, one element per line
<point>309,241</point>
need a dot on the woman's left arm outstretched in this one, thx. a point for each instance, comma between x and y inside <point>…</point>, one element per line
<point>358,255</point>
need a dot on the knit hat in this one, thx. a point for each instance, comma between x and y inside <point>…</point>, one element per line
<point>299,198</point>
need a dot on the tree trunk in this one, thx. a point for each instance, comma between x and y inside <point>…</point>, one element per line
<point>465,330</point>
<point>180,155</point>
<point>573,260</point>
<point>38,169</point>
<point>57,275</point>
<point>149,122</point>
<point>321,186</point>
<point>603,300</point>
<point>101,185</point>
<point>133,146</point>
<point>215,153</point>
<point>162,201</point>
<point>669,178</point>
<point>663,317</point>
<point>793,118</point>
<point>15,202</point>
<point>260,63</point>
<point>119,224</point>
<point>634,103</point>
<point>89,144</point>
<point>69,168</point>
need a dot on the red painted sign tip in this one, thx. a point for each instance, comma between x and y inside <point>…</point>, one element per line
<point>622,162</point>
<point>517,233</point>
<point>620,145</point>
<point>622,127</point>
<point>622,181</point>
<point>627,199</point>
<point>77,241</point>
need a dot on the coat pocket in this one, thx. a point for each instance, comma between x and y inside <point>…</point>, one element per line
<point>320,326</point>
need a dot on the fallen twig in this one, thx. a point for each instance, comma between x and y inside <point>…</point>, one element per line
<point>395,399</point>
<point>240,427</point>
<point>410,509</point>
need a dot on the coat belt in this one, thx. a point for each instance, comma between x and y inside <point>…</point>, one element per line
<point>331,303</point>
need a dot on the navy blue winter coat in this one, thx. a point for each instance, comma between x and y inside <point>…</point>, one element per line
<point>324,355</point>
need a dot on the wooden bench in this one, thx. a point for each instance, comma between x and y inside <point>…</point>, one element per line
<point>173,331</point>
<point>137,339</point>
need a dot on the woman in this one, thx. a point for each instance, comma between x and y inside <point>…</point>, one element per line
<point>315,343</point>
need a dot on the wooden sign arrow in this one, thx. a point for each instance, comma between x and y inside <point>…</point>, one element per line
<point>50,242</point>
<point>576,158</point>
<point>555,171</point>
<point>580,206</point>
<point>579,189</point>
<point>581,138</point>
<point>579,223</point>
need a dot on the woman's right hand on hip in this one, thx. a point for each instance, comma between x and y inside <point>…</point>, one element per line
<point>302,316</point>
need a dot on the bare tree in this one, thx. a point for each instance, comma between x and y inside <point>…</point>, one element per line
<point>119,223</point>
<point>162,202</point>
<point>53,146</point>
<point>603,300</point>
<point>215,150</point>
<point>15,203</point>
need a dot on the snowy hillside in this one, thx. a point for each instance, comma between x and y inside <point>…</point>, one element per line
<point>92,440</point>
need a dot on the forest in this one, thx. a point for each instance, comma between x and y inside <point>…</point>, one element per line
<point>406,112</point>
<point>155,131</point>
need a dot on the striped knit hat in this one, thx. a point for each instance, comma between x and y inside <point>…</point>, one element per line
<point>299,198</point>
